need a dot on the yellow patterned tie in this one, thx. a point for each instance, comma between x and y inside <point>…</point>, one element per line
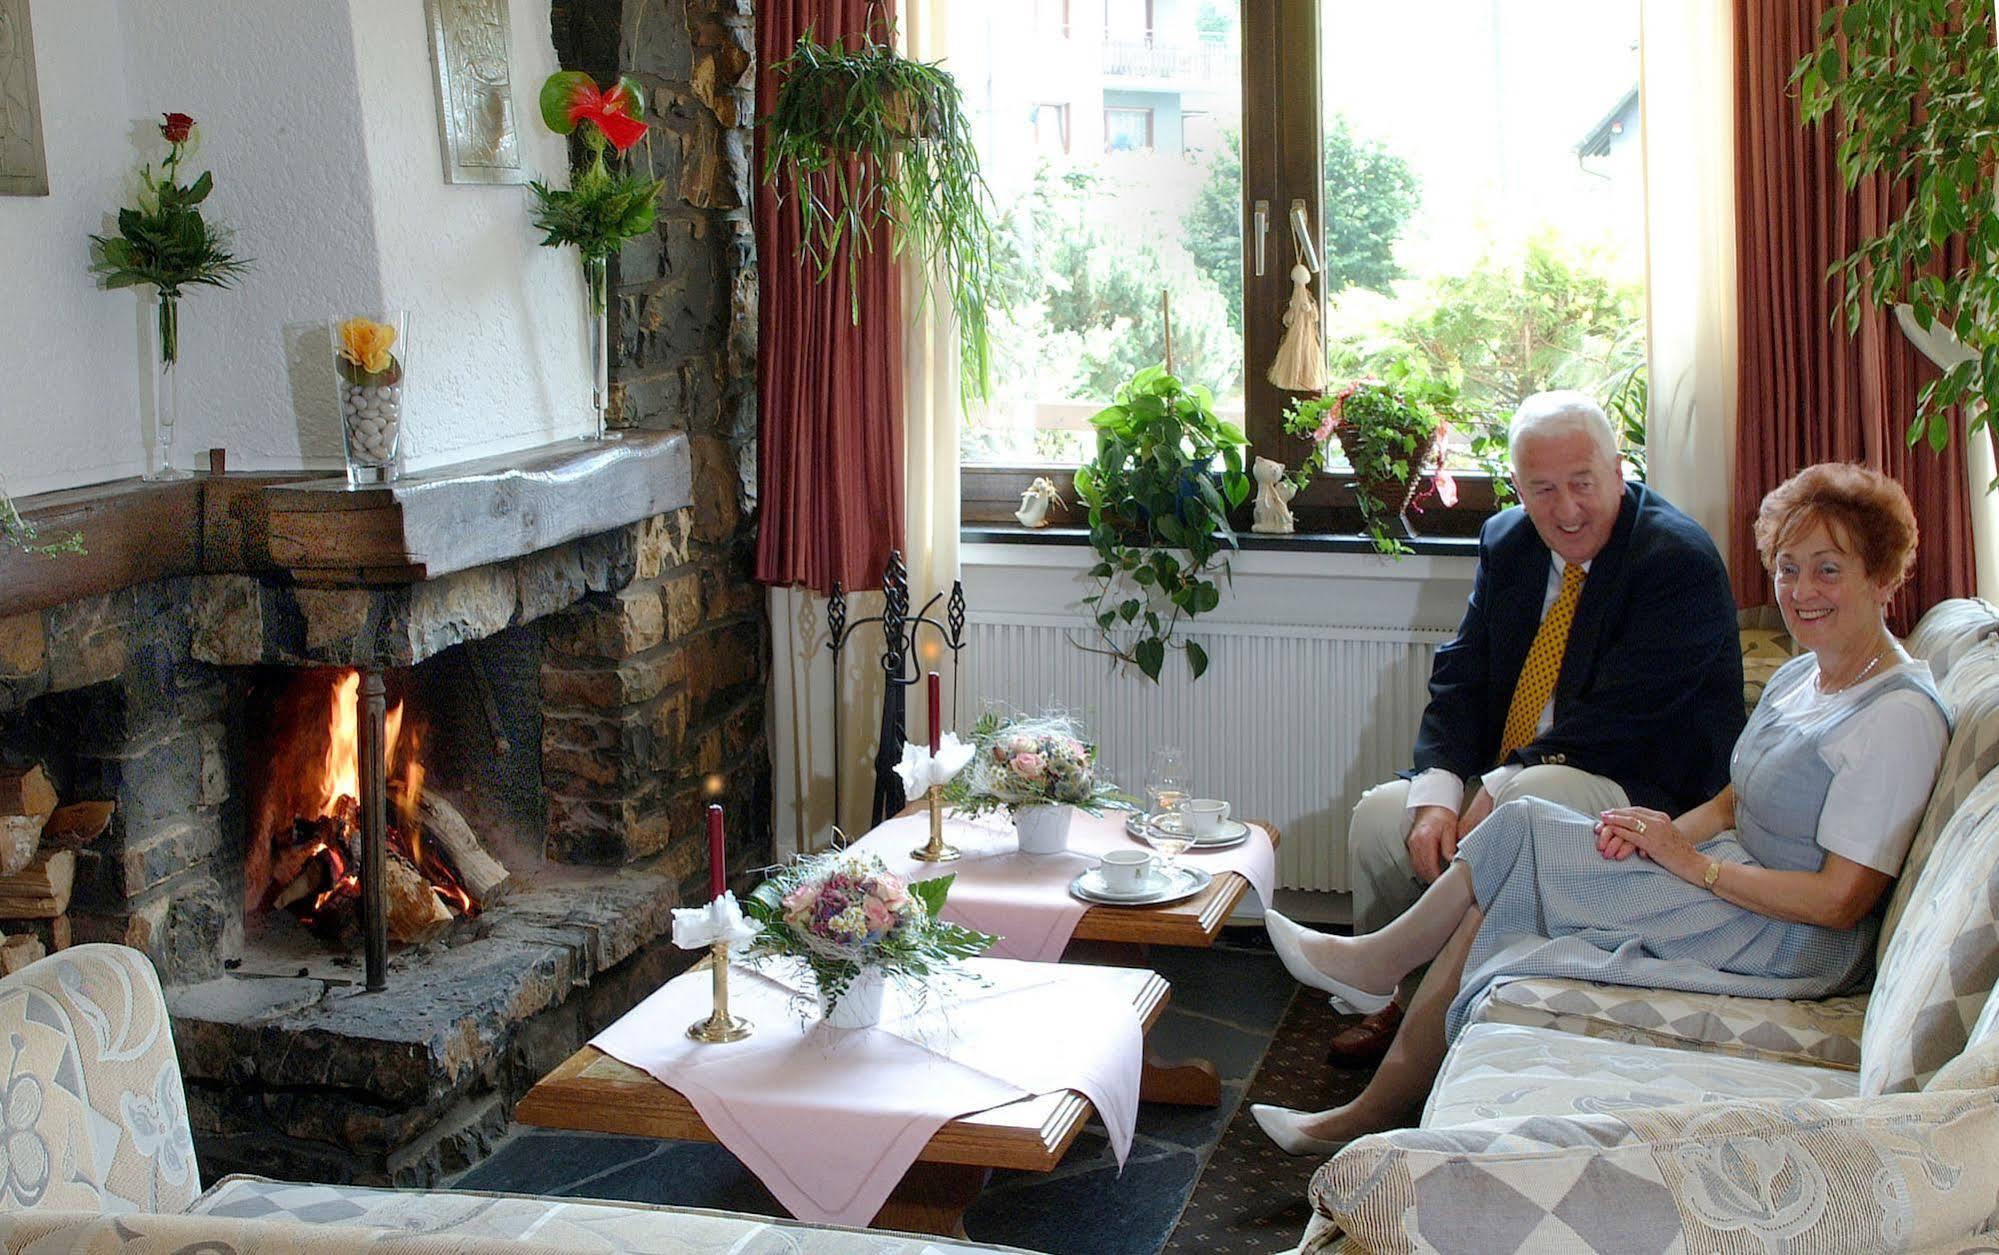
<point>1543,666</point>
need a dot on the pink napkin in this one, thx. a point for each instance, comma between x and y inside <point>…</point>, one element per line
<point>780,1098</point>
<point>1024,899</point>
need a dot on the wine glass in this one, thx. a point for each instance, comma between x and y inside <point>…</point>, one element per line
<point>1166,783</point>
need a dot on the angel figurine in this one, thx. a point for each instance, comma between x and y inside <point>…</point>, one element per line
<point>1301,358</point>
<point>1034,501</point>
<point>1273,498</point>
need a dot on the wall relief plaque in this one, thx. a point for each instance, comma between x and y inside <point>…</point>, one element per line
<point>24,167</point>
<point>470,43</point>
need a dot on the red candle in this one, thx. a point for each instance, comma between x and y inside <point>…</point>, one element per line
<point>718,864</point>
<point>936,712</point>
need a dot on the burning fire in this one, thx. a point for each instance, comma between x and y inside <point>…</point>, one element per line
<point>312,815</point>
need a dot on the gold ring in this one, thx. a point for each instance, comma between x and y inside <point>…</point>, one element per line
<point>1639,824</point>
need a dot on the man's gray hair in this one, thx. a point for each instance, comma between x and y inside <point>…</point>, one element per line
<point>1560,413</point>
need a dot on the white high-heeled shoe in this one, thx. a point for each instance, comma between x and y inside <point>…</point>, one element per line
<point>1285,938</point>
<point>1280,1125</point>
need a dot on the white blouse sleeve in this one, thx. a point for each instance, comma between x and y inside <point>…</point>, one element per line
<point>1884,762</point>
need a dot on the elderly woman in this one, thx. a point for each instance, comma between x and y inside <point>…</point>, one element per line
<point>1768,890</point>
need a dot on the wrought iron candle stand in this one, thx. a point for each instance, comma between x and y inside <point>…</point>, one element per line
<point>901,667</point>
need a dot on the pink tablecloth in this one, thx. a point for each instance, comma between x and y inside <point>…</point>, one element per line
<point>830,1119</point>
<point>1024,899</point>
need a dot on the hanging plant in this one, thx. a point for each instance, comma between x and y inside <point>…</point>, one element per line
<point>1912,92</point>
<point>862,138</point>
<point>1159,516</point>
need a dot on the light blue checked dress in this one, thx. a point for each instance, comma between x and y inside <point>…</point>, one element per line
<point>1556,907</point>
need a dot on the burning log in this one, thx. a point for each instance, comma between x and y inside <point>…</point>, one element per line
<point>484,877</point>
<point>26,801</point>
<point>41,889</point>
<point>415,913</point>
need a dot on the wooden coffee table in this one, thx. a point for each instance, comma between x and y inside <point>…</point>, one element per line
<point>592,1092</point>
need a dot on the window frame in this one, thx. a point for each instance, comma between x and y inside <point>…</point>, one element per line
<point>1151,126</point>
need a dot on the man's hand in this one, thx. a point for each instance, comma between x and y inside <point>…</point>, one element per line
<point>1481,806</point>
<point>1433,841</point>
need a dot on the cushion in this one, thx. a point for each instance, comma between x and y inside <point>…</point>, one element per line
<point>1764,649</point>
<point>1820,1034</point>
<point>1978,1066</point>
<point>1495,1071</point>
<point>1971,690</point>
<point>554,1223</point>
<point>1909,1172</point>
<point>1940,965</point>
<point>1949,628</point>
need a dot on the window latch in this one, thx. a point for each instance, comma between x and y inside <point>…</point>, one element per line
<point>1262,233</point>
<point>1301,236</point>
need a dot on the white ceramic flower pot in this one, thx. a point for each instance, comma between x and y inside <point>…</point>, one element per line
<point>1043,829</point>
<point>861,1005</point>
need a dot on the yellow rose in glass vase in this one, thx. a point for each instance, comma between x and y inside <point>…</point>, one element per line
<point>370,362</point>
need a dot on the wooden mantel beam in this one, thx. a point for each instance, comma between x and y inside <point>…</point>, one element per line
<point>323,533</point>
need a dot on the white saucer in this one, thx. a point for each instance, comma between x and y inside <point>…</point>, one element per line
<point>1230,832</point>
<point>1184,882</point>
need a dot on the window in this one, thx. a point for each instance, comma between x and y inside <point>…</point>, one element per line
<point>1471,179</point>
<point>1126,128</point>
<point>1051,18</point>
<point>1051,129</point>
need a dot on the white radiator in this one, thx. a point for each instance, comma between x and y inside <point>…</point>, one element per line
<point>1289,724</point>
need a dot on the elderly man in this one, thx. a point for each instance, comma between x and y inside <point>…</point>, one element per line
<point>1597,666</point>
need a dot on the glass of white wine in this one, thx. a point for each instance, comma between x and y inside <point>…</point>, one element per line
<point>1167,785</point>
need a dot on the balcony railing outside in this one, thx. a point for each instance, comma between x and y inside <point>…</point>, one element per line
<point>1143,58</point>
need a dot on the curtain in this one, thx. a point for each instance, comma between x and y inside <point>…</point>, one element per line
<point>829,392</point>
<point>1687,104</point>
<point>1809,392</point>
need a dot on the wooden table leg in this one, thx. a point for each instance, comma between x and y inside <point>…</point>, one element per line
<point>1181,1082</point>
<point>932,1198</point>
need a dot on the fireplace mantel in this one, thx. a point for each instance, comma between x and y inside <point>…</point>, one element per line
<point>325,535</point>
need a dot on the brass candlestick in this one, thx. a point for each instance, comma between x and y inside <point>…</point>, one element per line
<point>936,851</point>
<point>720,1026</point>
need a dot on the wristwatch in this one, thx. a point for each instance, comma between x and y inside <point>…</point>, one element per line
<point>1712,874</point>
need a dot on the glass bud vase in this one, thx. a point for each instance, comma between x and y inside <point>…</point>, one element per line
<point>371,365</point>
<point>597,286</point>
<point>166,389</point>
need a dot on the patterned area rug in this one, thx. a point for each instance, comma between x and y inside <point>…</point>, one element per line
<point>1251,1198</point>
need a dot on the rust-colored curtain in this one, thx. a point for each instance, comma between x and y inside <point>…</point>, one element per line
<point>1809,392</point>
<point>829,390</point>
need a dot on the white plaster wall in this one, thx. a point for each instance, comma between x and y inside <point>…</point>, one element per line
<point>68,404</point>
<point>499,321</point>
<point>319,121</point>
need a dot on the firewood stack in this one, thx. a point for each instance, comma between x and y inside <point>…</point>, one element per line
<point>38,844</point>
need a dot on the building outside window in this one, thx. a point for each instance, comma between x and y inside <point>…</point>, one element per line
<point>1051,128</point>
<point>1126,129</point>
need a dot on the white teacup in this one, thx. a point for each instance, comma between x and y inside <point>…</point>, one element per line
<point>1203,816</point>
<point>1126,871</point>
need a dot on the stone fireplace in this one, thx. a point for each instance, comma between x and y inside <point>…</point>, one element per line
<point>576,705</point>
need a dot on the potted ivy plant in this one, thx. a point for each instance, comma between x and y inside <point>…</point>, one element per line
<point>863,138</point>
<point>1158,514</point>
<point>1392,431</point>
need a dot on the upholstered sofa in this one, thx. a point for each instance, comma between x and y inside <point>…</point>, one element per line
<point>1577,1117</point>
<point>96,1154</point>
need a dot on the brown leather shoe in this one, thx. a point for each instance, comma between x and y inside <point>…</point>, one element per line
<point>1363,1043</point>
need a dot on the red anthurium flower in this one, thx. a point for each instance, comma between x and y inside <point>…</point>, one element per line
<point>176,127</point>
<point>570,99</point>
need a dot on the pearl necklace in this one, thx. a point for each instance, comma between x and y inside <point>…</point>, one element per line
<point>1865,671</point>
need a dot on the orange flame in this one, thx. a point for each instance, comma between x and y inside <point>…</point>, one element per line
<point>341,775</point>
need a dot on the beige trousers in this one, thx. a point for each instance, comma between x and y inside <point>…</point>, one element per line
<point>1378,836</point>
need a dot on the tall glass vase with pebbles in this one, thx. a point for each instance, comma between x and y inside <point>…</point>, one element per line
<point>371,376</point>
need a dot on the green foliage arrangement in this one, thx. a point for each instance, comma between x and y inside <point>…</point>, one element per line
<point>1374,192</point>
<point>23,535</point>
<point>600,210</point>
<point>1391,430</point>
<point>1911,88</point>
<point>1159,516</point>
<point>840,912</point>
<point>164,243</point>
<point>865,138</point>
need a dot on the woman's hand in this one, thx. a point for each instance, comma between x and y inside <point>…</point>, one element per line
<point>1651,834</point>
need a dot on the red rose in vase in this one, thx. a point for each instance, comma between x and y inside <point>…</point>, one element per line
<point>177,127</point>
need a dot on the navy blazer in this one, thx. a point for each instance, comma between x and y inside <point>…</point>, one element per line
<point>1650,693</point>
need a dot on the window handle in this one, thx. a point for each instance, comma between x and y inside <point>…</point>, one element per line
<point>1262,233</point>
<point>1301,235</point>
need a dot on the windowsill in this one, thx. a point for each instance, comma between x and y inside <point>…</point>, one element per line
<point>1251,542</point>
